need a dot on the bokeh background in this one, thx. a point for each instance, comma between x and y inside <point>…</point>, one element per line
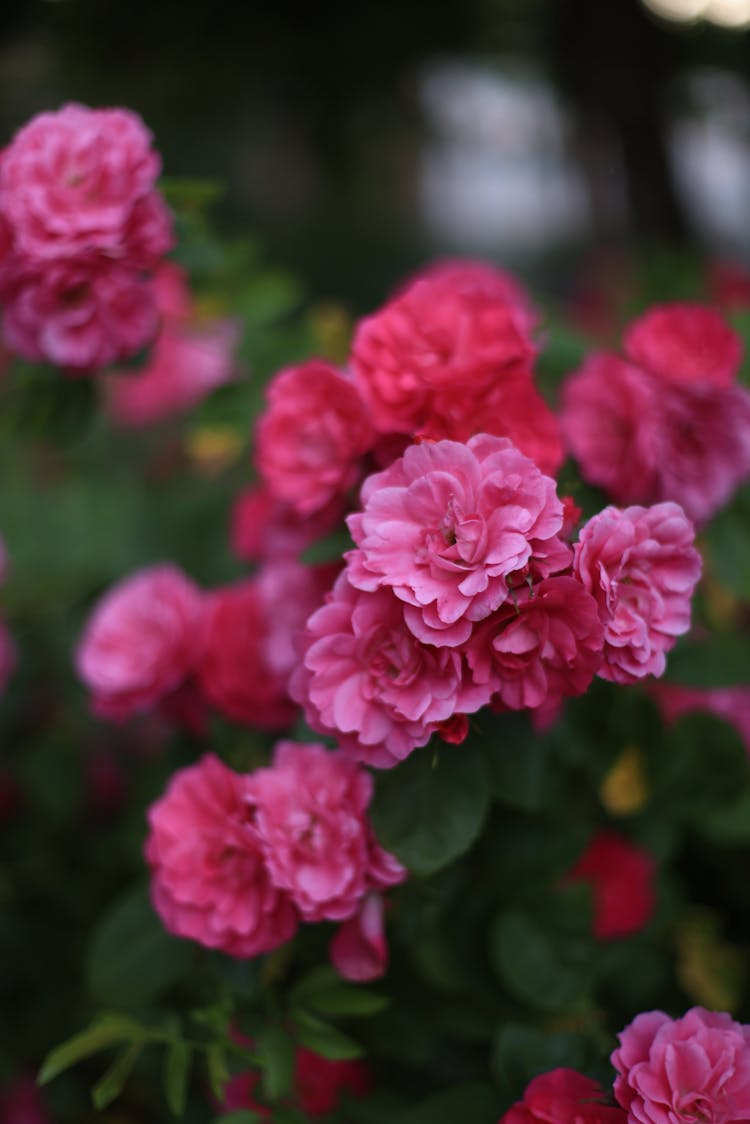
<point>359,139</point>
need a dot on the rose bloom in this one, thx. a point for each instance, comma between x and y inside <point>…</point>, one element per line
<point>540,648</point>
<point>263,528</point>
<point>310,811</point>
<point>730,703</point>
<point>141,641</point>
<point>564,1096</point>
<point>451,528</point>
<point>622,877</point>
<point>317,1085</point>
<point>312,436</point>
<point>80,181</point>
<point>680,1071</point>
<point>365,678</point>
<point>684,343</point>
<point>79,316</point>
<point>209,878</point>
<point>642,568</point>
<point>474,276</point>
<point>438,334</point>
<point>359,951</point>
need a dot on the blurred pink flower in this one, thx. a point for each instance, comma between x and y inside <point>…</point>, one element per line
<point>473,276</point>
<point>80,316</point>
<point>641,567</point>
<point>451,528</point>
<point>310,811</point>
<point>684,1070</point>
<point>622,877</point>
<point>730,703</point>
<point>564,1096</point>
<point>141,642</point>
<point>21,1102</point>
<point>685,343</point>
<point>209,878</point>
<point>359,951</point>
<point>80,181</point>
<point>263,528</point>
<point>312,436</point>
<point>544,646</point>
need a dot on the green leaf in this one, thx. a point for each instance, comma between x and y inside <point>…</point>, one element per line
<point>111,1085</point>
<point>218,1070</point>
<point>244,1116</point>
<point>177,1061</point>
<point>431,808</point>
<point>518,761</point>
<point>470,1104</point>
<point>720,661</point>
<point>701,766</point>
<point>323,991</point>
<point>551,971</point>
<point>324,1039</point>
<point>105,1032</point>
<point>276,1051</point>
<point>520,1053</point>
<point>132,958</point>
<point>730,824</point>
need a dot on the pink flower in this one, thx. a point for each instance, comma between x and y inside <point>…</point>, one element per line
<point>21,1102</point>
<point>543,647</point>
<point>141,641</point>
<point>365,678</point>
<point>641,567</point>
<point>451,528</point>
<point>319,1082</point>
<point>234,668</point>
<point>609,418</point>
<point>80,181</point>
<point>359,951</point>
<point>209,879</point>
<point>730,703</point>
<point>79,316</point>
<point>8,656</point>
<point>563,1096</point>
<point>687,344</point>
<point>470,276</point>
<point>184,367</point>
<point>679,1071</point>
<point>449,328</point>
<point>310,811</point>
<point>312,436</point>
<point>263,527</point>
<point>622,877</point>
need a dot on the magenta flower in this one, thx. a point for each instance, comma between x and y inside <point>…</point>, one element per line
<point>81,181</point>
<point>312,436</point>
<point>209,878</point>
<point>680,1071</point>
<point>563,1096</point>
<point>263,528</point>
<point>359,951</point>
<point>366,679</point>
<point>641,567</point>
<point>685,343</point>
<point>310,811</point>
<point>451,528</point>
<point>141,642</point>
<point>543,647</point>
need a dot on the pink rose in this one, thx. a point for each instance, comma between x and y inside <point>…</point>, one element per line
<point>234,669</point>
<point>263,527</point>
<point>209,879</point>
<point>79,316</point>
<point>359,951</point>
<point>451,528</point>
<point>310,810</point>
<point>448,329</point>
<point>684,343</point>
<point>563,1096</point>
<point>470,276</point>
<point>544,646</point>
<point>141,641</point>
<point>312,436</point>
<point>622,877</point>
<point>610,421</point>
<point>317,1086</point>
<point>80,181</point>
<point>365,678</point>
<point>679,1071</point>
<point>641,567</point>
<point>730,703</point>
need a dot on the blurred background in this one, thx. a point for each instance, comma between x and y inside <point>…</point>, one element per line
<point>359,139</point>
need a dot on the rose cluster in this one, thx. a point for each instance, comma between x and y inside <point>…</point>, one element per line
<point>157,641</point>
<point>238,861</point>
<point>462,592</point>
<point>669,1071</point>
<point>82,226</point>
<point>667,421</point>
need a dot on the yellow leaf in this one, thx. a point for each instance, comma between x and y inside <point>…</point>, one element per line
<point>624,790</point>
<point>214,448</point>
<point>710,970</point>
